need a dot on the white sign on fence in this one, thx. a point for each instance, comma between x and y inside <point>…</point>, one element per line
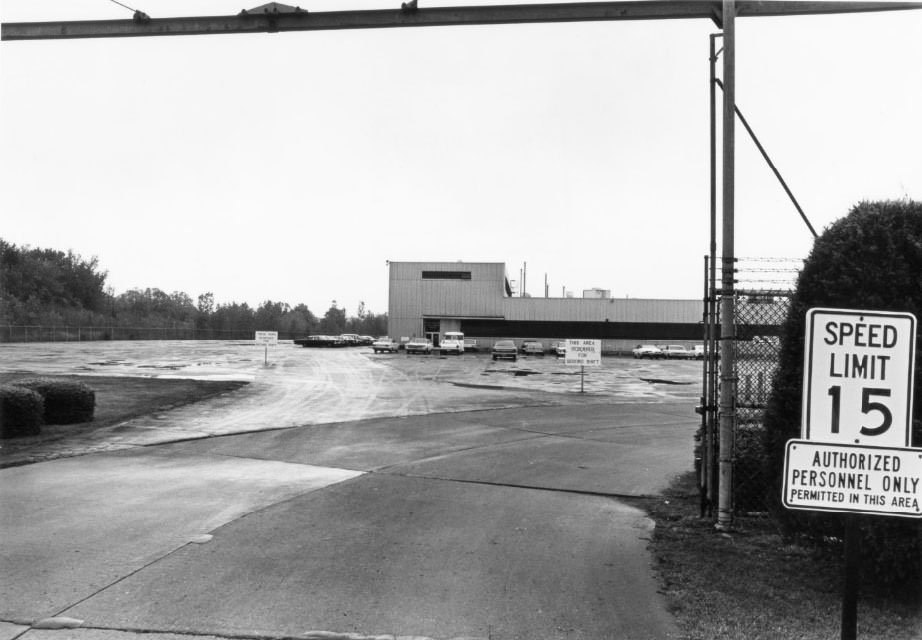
<point>584,353</point>
<point>267,337</point>
<point>853,479</point>
<point>858,376</point>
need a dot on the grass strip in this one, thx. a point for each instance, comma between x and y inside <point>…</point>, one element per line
<point>118,399</point>
<point>754,584</point>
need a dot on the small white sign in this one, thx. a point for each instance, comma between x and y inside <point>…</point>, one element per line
<point>267,337</point>
<point>853,479</point>
<point>584,353</point>
<point>858,377</point>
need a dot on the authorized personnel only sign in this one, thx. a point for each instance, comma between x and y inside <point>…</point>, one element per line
<point>852,478</point>
<point>586,353</point>
<point>858,376</point>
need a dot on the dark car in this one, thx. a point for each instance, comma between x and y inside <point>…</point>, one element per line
<point>533,348</point>
<point>505,349</point>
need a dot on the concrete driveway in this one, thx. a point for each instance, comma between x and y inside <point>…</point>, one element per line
<point>495,523</point>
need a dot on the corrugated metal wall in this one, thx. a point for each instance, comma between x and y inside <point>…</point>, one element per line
<point>411,298</point>
<point>600,310</point>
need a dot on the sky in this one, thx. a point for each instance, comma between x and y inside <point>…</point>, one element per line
<point>292,167</point>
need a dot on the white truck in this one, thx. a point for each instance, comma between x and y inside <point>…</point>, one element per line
<point>452,342</point>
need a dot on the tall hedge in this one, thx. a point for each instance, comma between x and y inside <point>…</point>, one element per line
<point>871,259</point>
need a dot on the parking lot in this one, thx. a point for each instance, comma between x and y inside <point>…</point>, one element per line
<point>347,492</point>
<point>619,377</point>
<point>293,386</point>
<point>353,383</point>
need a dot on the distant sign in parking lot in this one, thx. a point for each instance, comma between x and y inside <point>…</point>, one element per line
<point>584,353</point>
<point>266,338</point>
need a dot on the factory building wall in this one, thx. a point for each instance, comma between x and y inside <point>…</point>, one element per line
<point>601,310</point>
<point>477,290</point>
<point>427,297</point>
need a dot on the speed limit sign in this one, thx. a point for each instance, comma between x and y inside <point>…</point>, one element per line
<point>858,376</point>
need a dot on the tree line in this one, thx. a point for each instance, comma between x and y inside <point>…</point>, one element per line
<point>48,287</point>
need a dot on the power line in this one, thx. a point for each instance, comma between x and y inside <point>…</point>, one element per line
<point>123,5</point>
<point>139,16</point>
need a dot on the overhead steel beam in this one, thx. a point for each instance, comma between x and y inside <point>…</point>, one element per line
<point>410,16</point>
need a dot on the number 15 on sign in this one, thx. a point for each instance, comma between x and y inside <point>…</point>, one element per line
<point>858,377</point>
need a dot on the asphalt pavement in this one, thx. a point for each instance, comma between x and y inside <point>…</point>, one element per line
<point>503,522</point>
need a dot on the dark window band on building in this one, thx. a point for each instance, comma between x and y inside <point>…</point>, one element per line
<point>582,329</point>
<point>446,275</point>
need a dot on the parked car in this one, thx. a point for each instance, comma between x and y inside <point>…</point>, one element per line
<point>419,345</point>
<point>677,352</point>
<point>647,351</point>
<point>533,348</point>
<point>559,349</point>
<point>505,349</point>
<point>384,344</point>
<point>698,352</point>
<point>321,341</point>
<point>452,342</point>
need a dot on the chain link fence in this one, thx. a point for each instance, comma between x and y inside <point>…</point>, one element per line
<point>759,316</point>
<point>44,333</point>
<point>761,305</point>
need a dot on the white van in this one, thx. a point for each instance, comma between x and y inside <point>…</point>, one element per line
<point>452,342</point>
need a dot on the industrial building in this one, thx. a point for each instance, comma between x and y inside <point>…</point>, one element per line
<point>426,299</point>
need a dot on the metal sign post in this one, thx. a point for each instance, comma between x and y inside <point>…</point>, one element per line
<point>854,454</point>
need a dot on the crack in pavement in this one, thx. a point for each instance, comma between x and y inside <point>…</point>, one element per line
<point>170,634</point>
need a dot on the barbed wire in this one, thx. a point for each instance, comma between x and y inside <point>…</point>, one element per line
<point>764,280</point>
<point>753,259</point>
<point>767,270</point>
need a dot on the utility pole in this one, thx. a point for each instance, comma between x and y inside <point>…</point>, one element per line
<point>711,479</point>
<point>727,417</point>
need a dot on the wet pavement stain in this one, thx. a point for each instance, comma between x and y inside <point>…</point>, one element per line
<point>658,381</point>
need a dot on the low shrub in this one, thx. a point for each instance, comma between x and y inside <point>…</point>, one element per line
<point>21,412</point>
<point>750,480</point>
<point>66,402</point>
